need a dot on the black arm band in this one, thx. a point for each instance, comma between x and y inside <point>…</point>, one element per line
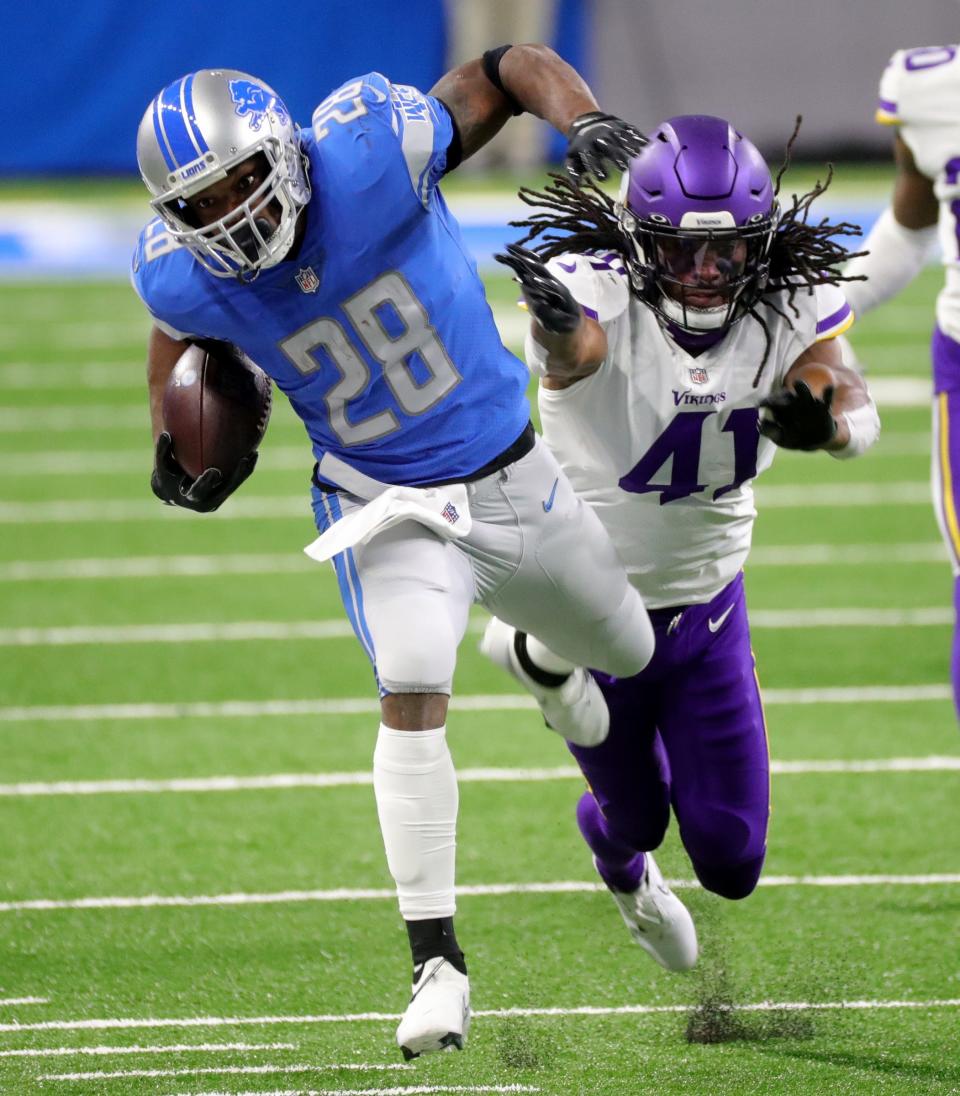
<point>455,148</point>
<point>491,69</point>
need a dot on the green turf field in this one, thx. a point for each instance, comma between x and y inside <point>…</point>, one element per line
<point>194,897</point>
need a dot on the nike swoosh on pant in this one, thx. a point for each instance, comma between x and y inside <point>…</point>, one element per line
<point>548,505</point>
<point>716,625</point>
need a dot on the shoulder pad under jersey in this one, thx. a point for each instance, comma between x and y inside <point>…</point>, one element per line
<point>598,281</point>
<point>834,314</point>
<point>913,84</point>
<point>398,120</point>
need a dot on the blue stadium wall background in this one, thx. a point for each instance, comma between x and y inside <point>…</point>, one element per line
<point>76,78</point>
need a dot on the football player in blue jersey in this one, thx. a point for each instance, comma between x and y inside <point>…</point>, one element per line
<point>329,257</point>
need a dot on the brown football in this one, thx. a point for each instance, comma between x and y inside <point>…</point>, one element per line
<point>216,406</point>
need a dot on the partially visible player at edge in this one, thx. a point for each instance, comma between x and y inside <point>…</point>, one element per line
<point>666,327</point>
<point>329,257</point>
<point>920,95</point>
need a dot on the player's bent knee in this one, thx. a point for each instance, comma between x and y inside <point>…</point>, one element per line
<point>630,639</point>
<point>422,664</point>
<point>641,833</point>
<point>733,881</point>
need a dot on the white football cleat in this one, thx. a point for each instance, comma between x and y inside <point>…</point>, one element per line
<point>576,709</point>
<point>659,922</point>
<point>438,1015</point>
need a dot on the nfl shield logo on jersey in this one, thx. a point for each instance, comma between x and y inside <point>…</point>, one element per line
<point>307,280</point>
<point>699,375</point>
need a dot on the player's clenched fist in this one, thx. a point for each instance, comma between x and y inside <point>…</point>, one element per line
<point>797,419</point>
<point>550,302</point>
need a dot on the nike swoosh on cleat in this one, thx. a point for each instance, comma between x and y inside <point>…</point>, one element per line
<point>716,625</point>
<point>548,505</point>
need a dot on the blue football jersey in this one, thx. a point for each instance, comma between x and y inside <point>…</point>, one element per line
<point>378,330</point>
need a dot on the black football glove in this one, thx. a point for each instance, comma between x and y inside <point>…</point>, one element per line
<point>171,484</point>
<point>798,420</point>
<point>597,138</point>
<point>550,302</point>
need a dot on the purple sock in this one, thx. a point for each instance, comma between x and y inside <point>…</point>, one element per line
<point>620,866</point>
<point>955,653</point>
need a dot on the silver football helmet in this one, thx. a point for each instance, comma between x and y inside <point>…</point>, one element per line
<point>192,134</point>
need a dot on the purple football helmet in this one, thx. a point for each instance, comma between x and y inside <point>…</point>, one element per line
<point>698,209</point>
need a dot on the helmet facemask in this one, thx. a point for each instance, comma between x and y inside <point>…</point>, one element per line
<point>244,241</point>
<point>698,279</point>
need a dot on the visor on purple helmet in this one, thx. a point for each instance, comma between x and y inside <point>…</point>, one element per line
<point>698,208</point>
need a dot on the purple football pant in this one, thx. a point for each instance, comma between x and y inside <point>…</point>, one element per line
<point>946,472</point>
<point>687,732</point>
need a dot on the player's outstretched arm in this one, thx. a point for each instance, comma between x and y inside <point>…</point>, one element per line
<point>575,344</point>
<point>900,243</point>
<point>824,404</point>
<point>482,95</point>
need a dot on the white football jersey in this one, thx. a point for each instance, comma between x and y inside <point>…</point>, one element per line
<point>920,93</point>
<point>665,445</point>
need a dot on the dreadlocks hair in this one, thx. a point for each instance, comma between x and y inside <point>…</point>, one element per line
<point>802,255</point>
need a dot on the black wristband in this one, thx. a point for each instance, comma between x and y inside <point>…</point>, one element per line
<point>491,69</point>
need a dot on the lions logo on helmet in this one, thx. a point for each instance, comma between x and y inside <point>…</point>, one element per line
<point>253,101</point>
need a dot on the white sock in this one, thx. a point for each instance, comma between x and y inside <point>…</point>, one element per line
<point>416,790</point>
<point>543,658</point>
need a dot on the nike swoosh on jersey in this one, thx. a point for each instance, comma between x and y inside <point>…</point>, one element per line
<point>548,505</point>
<point>716,625</point>
<point>569,269</point>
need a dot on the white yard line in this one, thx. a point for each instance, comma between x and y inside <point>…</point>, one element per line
<point>54,418</point>
<point>177,633</point>
<point>134,1023</point>
<point>170,1048</point>
<point>82,511</point>
<point>158,567</point>
<point>277,507</point>
<point>54,570</point>
<point>112,1075</point>
<point>286,781</point>
<point>286,458</point>
<point>815,555</point>
<point>29,376</point>
<point>25,376</point>
<point>902,493</point>
<point>498,702</point>
<point>24,1001</point>
<point>280,630</point>
<point>282,458</point>
<point>397,1090</point>
<point>479,890</point>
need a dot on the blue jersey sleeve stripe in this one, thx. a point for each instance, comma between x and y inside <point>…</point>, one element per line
<point>425,132</point>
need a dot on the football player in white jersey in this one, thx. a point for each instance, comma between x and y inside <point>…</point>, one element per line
<point>920,95</point>
<point>681,334</point>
